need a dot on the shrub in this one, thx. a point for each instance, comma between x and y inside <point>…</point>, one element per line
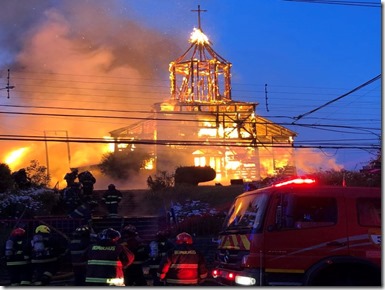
<point>38,174</point>
<point>194,174</point>
<point>162,180</point>
<point>122,165</point>
<point>6,180</point>
<point>30,202</point>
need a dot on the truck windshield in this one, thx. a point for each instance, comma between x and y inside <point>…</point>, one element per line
<point>246,213</point>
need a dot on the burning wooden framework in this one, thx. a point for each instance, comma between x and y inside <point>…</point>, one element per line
<point>203,73</point>
<point>201,119</point>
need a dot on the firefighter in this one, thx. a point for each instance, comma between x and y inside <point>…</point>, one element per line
<point>70,177</point>
<point>111,199</point>
<point>84,211</point>
<point>17,254</point>
<point>87,180</point>
<point>158,249</point>
<point>81,239</point>
<point>46,254</point>
<point>133,274</point>
<point>107,260</point>
<point>183,265</point>
<point>72,197</point>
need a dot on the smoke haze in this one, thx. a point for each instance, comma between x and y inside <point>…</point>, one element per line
<point>73,55</point>
<point>77,55</point>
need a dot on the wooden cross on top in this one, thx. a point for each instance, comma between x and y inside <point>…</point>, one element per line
<point>199,15</point>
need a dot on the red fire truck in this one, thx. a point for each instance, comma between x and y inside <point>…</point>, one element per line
<point>298,233</point>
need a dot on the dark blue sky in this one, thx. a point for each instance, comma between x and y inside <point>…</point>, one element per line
<point>308,54</point>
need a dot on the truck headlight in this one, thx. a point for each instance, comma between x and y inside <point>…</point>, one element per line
<point>246,281</point>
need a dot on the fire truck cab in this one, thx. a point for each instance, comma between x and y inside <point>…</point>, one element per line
<point>298,233</point>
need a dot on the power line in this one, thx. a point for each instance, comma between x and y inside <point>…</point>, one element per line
<point>153,118</point>
<point>337,2</point>
<point>340,97</point>
<point>198,143</point>
<point>165,86</point>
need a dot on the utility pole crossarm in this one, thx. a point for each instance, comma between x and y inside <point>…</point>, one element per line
<point>8,87</point>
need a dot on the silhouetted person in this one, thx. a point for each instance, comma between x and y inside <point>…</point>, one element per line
<point>87,180</point>
<point>111,199</point>
<point>70,177</point>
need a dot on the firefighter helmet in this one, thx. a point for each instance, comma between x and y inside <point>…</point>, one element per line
<point>18,232</point>
<point>184,238</point>
<point>83,230</point>
<point>42,229</point>
<point>111,186</point>
<point>129,231</point>
<point>109,235</point>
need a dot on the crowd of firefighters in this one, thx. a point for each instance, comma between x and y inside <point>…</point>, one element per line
<point>78,198</point>
<point>108,258</point>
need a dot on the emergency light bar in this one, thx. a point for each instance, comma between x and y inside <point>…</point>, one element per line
<point>295,181</point>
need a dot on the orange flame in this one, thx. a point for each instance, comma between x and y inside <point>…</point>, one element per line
<point>110,147</point>
<point>13,159</point>
<point>197,36</point>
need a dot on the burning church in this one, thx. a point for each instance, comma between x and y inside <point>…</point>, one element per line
<point>200,124</point>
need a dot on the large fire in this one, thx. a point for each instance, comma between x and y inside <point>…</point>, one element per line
<point>79,69</point>
<point>197,36</point>
<point>110,147</point>
<point>14,158</point>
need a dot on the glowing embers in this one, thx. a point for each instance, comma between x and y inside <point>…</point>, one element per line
<point>295,181</point>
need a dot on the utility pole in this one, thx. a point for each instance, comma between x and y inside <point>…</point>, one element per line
<point>8,86</point>
<point>46,147</point>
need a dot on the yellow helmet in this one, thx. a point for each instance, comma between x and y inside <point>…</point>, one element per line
<point>42,229</point>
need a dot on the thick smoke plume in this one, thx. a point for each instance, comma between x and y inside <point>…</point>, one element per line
<point>77,54</point>
<point>92,55</point>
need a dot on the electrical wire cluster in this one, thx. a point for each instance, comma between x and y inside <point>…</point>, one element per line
<point>65,84</point>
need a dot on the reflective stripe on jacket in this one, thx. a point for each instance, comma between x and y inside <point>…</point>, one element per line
<point>78,248</point>
<point>112,196</point>
<point>18,253</point>
<point>106,262</point>
<point>183,265</point>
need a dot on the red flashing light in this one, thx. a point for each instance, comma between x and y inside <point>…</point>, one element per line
<point>296,181</point>
<point>231,276</point>
<point>215,273</point>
